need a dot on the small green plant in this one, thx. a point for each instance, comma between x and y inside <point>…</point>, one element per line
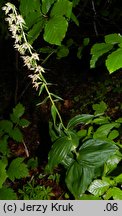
<point>85,149</point>
<point>31,191</point>
<point>55,177</point>
<point>14,168</point>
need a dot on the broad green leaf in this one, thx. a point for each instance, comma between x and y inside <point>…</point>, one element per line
<point>113,38</point>
<point>104,130</point>
<point>78,179</point>
<point>61,148</point>
<point>118,179</point>
<point>98,50</point>
<point>82,133</point>
<point>55,30</point>
<point>120,45</point>
<point>94,153</point>
<point>98,187</point>
<point>119,120</point>
<point>80,119</point>
<point>89,197</point>
<point>6,126</point>
<point>19,110</point>
<point>17,135</point>
<point>7,194</point>
<point>111,164</point>
<point>17,169</point>
<point>46,5</point>
<point>115,193</point>
<point>114,61</point>
<point>3,174</point>
<point>30,11</point>
<point>62,8</point>
<point>99,108</point>
<point>33,18</point>
<point>24,123</point>
<point>113,134</point>
<point>101,120</point>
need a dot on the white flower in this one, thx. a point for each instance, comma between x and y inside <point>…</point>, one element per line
<point>39,68</point>
<point>35,56</point>
<point>20,19</point>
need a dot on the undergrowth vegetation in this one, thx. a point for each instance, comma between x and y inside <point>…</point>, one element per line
<point>88,146</point>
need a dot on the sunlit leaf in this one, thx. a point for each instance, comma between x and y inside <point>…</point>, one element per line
<point>113,38</point>
<point>98,187</point>
<point>99,108</point>
<point>46,5</point>
<point>98,50</point>
<point>115,193</point>
<point>111,164</point>
<point>101,120</point>
<point>118,179</point>
<point>62,8</point>
<point>113,134</point>
<point>104,130</point>
<point>55,30</point>
<point>119,120</point>
<point>114,60</point>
